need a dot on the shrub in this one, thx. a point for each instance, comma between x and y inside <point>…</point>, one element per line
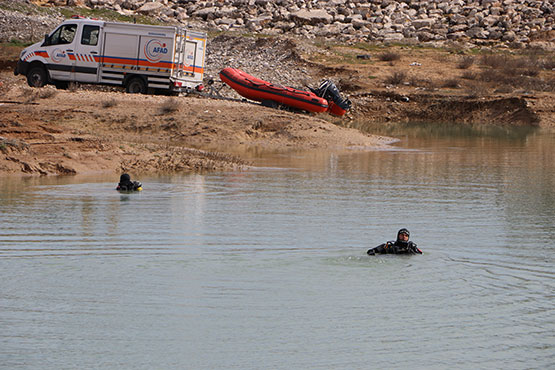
<point>465,62</point>
<point>492,76</point>
<point>31,97</point>
<point>47,93</point>
<point>451,83</point>
<point>504,89</point>
<point>531,71</point>
<point>476,91</point>
<point>389,56</point>
<point>109,103</point>
<point>527,66</point>
<point>548,63</point>
<point>494,61</point>
<point>14,143</point>
<point>169,106</point>
<point>396,78</point>
<point>421,82</point>
<point>73,86</point>
<point>468,75</point>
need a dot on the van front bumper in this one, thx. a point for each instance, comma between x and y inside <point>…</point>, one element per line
<point>21,68</point>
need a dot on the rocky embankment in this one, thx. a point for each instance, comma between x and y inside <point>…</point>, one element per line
<point>515,23</point>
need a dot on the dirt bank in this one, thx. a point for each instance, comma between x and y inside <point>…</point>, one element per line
<point>48,131</point>
<point>90,129</point>
<point>378,106</point>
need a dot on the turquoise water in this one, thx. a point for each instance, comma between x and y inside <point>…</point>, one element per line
<point>267,268</point>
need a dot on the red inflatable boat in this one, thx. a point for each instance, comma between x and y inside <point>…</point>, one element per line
<point>256,89</point>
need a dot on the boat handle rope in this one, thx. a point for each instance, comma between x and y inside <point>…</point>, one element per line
<point>276,87</point>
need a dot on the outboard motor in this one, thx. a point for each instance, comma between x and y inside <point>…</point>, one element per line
<point>330,92</point>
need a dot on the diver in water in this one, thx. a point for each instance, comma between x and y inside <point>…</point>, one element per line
<point>125,184</point>
<point>400,246</point>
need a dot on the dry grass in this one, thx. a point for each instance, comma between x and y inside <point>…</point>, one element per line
<point>32,94</point>
<point>521,73</point>
<point>490,76</point>
<point>493,60</point>
<point>506,62</point>
<point>517,81</point>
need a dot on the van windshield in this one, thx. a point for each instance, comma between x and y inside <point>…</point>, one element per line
<point>63,35</point>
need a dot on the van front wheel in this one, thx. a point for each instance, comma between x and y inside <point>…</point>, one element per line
<point>136,85</point>
<point>36,77</point>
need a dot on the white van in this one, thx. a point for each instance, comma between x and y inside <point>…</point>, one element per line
<point>140,58</point>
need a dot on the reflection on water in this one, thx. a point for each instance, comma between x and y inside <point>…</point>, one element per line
<point>235,270</point>
<point>446,130</point>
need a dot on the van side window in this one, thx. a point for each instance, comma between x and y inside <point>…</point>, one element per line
<point>90,35</point>
<point>63,35</point>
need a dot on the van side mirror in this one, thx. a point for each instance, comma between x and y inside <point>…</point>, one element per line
<point>45,42</point>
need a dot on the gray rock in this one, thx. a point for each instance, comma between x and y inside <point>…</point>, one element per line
<point>259,21</point>
<point>359,23</point>
<point>458,19</point>
<point>150,8</point>
<point>509,36</point>
<point>489,21</point>
<point>419,23</point>
<point>205,12</point>
<point>458,28</point>
<point>495,34</point>
<point>477,33</point>
<point>226,21</point>
<point>511,21</point>
<point>425,36</point>
<point>456,35</point>
<point>339,18</point>
<point>311,17</point>
<point>393,37</point>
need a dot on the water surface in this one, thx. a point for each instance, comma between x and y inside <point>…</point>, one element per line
<point>267,268</point>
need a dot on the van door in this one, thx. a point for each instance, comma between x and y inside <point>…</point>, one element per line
<point>59,46</point>
<point>86,54</point>
<point>190,56</point>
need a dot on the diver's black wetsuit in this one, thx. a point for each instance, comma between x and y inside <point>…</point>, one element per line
<point>125,183</point>
<point>395,247</point>
<point>398,246</point>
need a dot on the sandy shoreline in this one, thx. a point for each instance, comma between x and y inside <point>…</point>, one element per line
<point>52,132</point>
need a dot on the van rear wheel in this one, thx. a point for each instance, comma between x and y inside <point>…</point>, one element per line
<point>136,85</point>
<point>36,77</point>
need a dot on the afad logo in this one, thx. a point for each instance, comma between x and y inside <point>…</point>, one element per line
<point>58,55</point>
<point>155,50</point>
